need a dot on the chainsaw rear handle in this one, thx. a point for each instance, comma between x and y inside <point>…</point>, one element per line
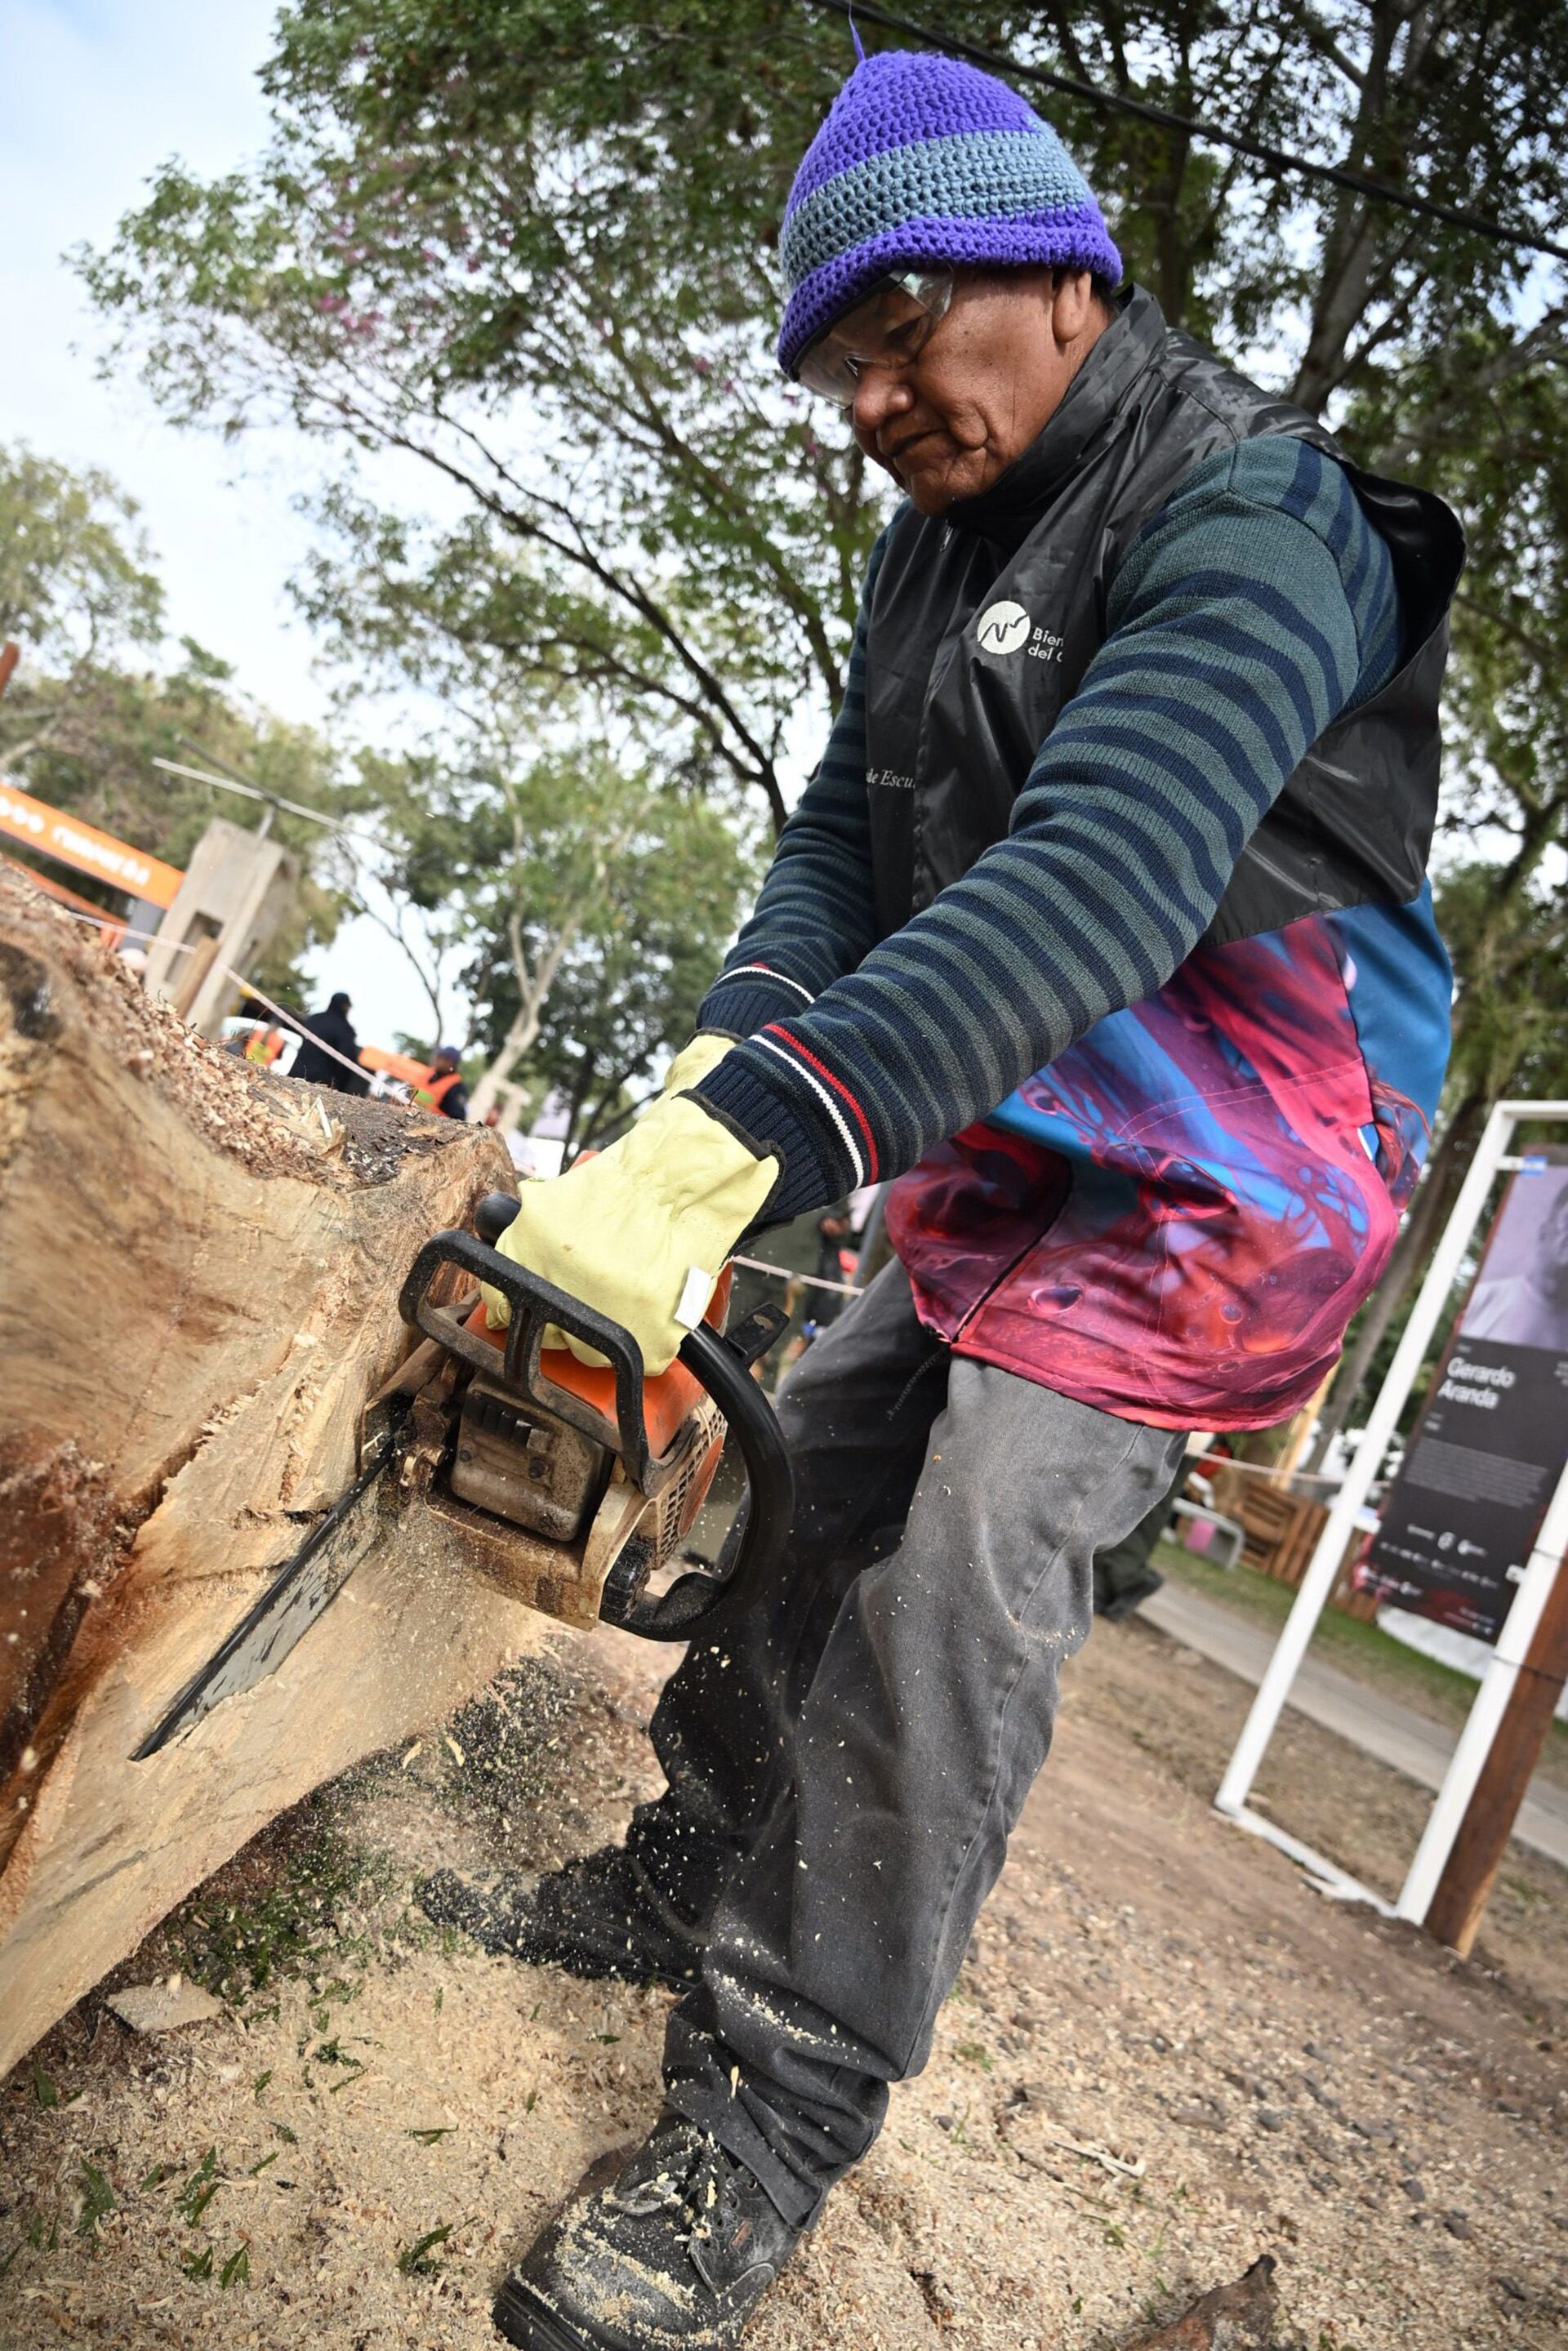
<point>695,1605</point>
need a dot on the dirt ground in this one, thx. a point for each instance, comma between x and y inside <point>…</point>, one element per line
<point>1166,2055</point>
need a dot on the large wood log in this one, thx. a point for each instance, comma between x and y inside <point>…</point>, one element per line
<point>199,1267</point>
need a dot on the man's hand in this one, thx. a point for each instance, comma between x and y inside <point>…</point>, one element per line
<point>641,1231</point>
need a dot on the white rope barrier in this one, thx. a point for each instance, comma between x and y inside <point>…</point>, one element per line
<point>807,1280</point>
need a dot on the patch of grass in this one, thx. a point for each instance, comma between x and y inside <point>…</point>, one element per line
<point>197,2265</point>
<point>43,2089</point>
<point>200,2188</point>
<point>97,2198</point>
<point>1372,1656</point>
<point>290,1928</point>
<point>975,2053</point>
<point>414,2260</point>
<point>236,2271</point>
<point>429,2138</point>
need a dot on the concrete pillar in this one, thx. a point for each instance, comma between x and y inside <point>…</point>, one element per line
<point>238,889</point>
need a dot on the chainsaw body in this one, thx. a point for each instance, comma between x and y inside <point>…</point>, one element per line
<point>574,1484</point>
<point>577,1485</point>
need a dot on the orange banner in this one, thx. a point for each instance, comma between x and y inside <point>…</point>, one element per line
<point>394,1065</point>
<point>56,834</point>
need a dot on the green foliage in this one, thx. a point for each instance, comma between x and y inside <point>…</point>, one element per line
<point>74,581</point>
<point>236,2271</point>
<point>533,242</point>
<point>533,246</point>
<point>87,711</point>
<point>97,2198</point>
<point>200,2188</point>
<point>289,1928</point>
<point>665,898</point>
<point>414,2260</point>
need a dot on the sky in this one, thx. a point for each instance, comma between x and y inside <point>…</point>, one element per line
<point>94,95</point>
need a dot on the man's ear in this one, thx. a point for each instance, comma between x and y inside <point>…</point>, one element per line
<point>1072,304</point>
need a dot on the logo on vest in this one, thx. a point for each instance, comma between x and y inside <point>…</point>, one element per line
<point>1003,627</point>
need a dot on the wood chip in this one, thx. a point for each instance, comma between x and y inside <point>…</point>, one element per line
<point>163,2007</point>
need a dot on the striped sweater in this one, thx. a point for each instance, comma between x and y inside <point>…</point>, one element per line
<point>1254,609</point>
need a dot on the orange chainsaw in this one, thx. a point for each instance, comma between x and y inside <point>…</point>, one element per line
<point>575,1486</point>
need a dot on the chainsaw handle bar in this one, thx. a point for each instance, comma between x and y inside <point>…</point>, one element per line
<point>699,1605</point>
<point>694,1606</point>
<point>534,1304</point>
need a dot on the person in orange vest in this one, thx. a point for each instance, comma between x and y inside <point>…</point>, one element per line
<point>263,1047</point>
<point>442,1089</point>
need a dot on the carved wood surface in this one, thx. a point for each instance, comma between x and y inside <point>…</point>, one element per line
<point>199,1267</point>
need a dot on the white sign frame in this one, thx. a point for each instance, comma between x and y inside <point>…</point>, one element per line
<point>1491,1159</point>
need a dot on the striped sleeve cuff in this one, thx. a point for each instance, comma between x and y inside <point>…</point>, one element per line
<point>779,1090</point>
<point>749,996</point>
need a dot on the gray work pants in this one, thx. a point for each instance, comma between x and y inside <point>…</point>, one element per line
<point>844,1770</point>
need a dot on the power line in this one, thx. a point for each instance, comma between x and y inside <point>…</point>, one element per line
<point>1144,110</point>
<point>273,800</point>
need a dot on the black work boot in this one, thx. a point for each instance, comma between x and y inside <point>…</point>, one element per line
<point>595,1917</point>
<point>676,2250</point>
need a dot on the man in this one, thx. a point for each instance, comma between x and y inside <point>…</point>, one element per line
<point>1104,914</point>
<point>1529,1309</point>
<point>335,1029</point>
<point>442,1089</point>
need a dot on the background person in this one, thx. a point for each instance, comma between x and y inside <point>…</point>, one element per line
<point>334,1027</point>
<point>442,1089</point>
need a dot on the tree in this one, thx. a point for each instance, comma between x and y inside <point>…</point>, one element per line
<point>533,243</point>
<point>596,904</point>
<point>628,988</point>
<point>90,708</point>
<point>73,580</point>
<point>536,305</point>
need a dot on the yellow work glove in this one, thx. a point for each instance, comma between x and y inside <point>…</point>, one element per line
<point>641,1231</point>
<point>697,1059</point>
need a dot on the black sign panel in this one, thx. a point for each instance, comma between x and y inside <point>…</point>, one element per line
<point>1463,1515</point>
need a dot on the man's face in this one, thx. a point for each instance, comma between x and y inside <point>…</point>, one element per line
<point>988,381</point>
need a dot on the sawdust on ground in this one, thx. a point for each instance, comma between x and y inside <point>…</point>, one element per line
<point>1166,2056</point>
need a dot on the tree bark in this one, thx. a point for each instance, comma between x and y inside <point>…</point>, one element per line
<point>198,1269</point>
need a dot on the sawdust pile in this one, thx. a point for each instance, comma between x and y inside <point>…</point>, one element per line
<point>1167,2059</point>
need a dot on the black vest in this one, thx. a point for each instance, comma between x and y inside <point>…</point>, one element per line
<point>960,695</point>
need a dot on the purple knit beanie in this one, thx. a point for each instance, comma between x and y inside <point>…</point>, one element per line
<point>923,162</point>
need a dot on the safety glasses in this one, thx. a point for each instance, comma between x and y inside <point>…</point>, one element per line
<point>889,329</point>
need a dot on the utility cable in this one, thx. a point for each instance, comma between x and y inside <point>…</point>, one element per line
<point>1144,111</point>
<point>273,800</point>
